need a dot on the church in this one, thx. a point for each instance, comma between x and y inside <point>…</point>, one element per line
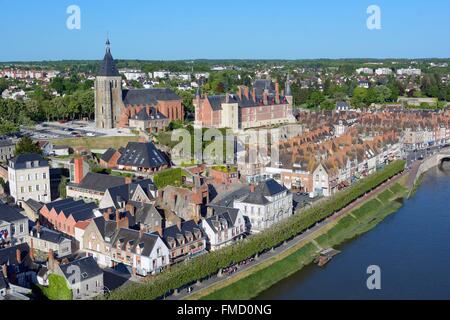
<point>115,107</point>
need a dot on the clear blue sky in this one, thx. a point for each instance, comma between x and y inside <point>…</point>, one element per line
<point>188,29</point>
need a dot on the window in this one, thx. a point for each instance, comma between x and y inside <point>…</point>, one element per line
<point>37,187</point>
<point>30,188</point>
<point>44,176</point>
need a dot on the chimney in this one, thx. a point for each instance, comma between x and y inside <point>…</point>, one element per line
<point>159,230</point>
<point>277,92</point>
<point>18,256</point>
<point>252,188</point>
<point>32,249</point>
<point>128,180</point>
<point>38,226</point>
<point>141,233</point>
<point>246,92</point>
<point>107,214</point>
<point>239,93</point>
<point>266,97</point>
<point>227,98</point>
<point>130,208</point>
<point>78,172</point>
<point>254,94</point>
<point>51,259</point>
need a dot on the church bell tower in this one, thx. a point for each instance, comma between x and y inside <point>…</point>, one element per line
<point>108,93</point>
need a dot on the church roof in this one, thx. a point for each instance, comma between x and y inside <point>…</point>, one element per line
<point>108,67</point>
<point>148,96</point>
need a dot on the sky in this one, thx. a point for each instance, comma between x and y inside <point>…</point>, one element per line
<point>232,29</point>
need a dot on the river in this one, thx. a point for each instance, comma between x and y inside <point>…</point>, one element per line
<point>411,247</point>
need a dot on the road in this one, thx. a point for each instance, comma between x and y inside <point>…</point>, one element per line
<point>415,155</point>
<point>183,293</point>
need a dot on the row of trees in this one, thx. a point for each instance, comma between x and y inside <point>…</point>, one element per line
<point>209,264</point>
<point>42,106</point>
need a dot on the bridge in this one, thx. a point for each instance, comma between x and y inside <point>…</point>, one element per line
<point>435,161</point>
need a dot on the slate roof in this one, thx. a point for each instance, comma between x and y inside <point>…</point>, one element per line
<point>108,154</point>
<point>270,188</point>
<point>148,96</point>
<point>100,182</point>
<point>6,143</point>
<point>217,101</point>
<point>106,228</point>
<point>147,214</point>
<point>256,198</point>
<point>8,256</point>
<point>154,115</point>
<point>125,192</point>
<point>228,199</point>
<point>34,205</point>
<point>21,160</point>
<point>223,215</point>
<point>79,210</point>
<point>49,235</point>
<point>144,155</point>
<point>87,266</point>
<point>108,67</point>
<point>261,84</point>
<point>186,227</point>
<point>127,236</point>
<point>10,214</point>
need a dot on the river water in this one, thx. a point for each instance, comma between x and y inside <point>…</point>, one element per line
<point>411,247</point>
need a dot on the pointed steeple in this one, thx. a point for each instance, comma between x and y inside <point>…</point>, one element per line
<point>108,67</point>
<point>108,45</point>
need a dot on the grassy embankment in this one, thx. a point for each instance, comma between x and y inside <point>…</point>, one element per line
<point>96,142</point>
<point>357,222</point>
<point>57,288</point>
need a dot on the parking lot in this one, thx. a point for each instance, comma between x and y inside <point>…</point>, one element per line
<point>70,129</point>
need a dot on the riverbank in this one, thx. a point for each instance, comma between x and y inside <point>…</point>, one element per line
<point>204,271</point>
<point>411,248</point>
<point>357,220</point>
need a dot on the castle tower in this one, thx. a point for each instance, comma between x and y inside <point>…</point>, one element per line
<point>108,93</point>
<point>288,91</point>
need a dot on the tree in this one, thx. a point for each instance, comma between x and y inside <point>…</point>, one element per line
<point>26,145</point>
<point>187,98</point>
<point>327,105</point>
<point>3,85</point>
<point>7,127</point>
<point>315,99</point>
<point>62,188</point>
<point>359,97</point>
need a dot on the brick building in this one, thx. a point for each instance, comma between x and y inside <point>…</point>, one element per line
<point>259,108</point>
<point>114,107</point>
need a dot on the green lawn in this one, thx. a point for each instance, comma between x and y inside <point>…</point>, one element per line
<point>254,284</point>
<point>171,177</point>
<point>57,289</point>
<point>96,142</point>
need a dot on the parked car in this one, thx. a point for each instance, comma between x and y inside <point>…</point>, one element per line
<point>90,134</point>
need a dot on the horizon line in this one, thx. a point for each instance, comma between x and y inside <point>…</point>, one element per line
<point>233,59</point>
